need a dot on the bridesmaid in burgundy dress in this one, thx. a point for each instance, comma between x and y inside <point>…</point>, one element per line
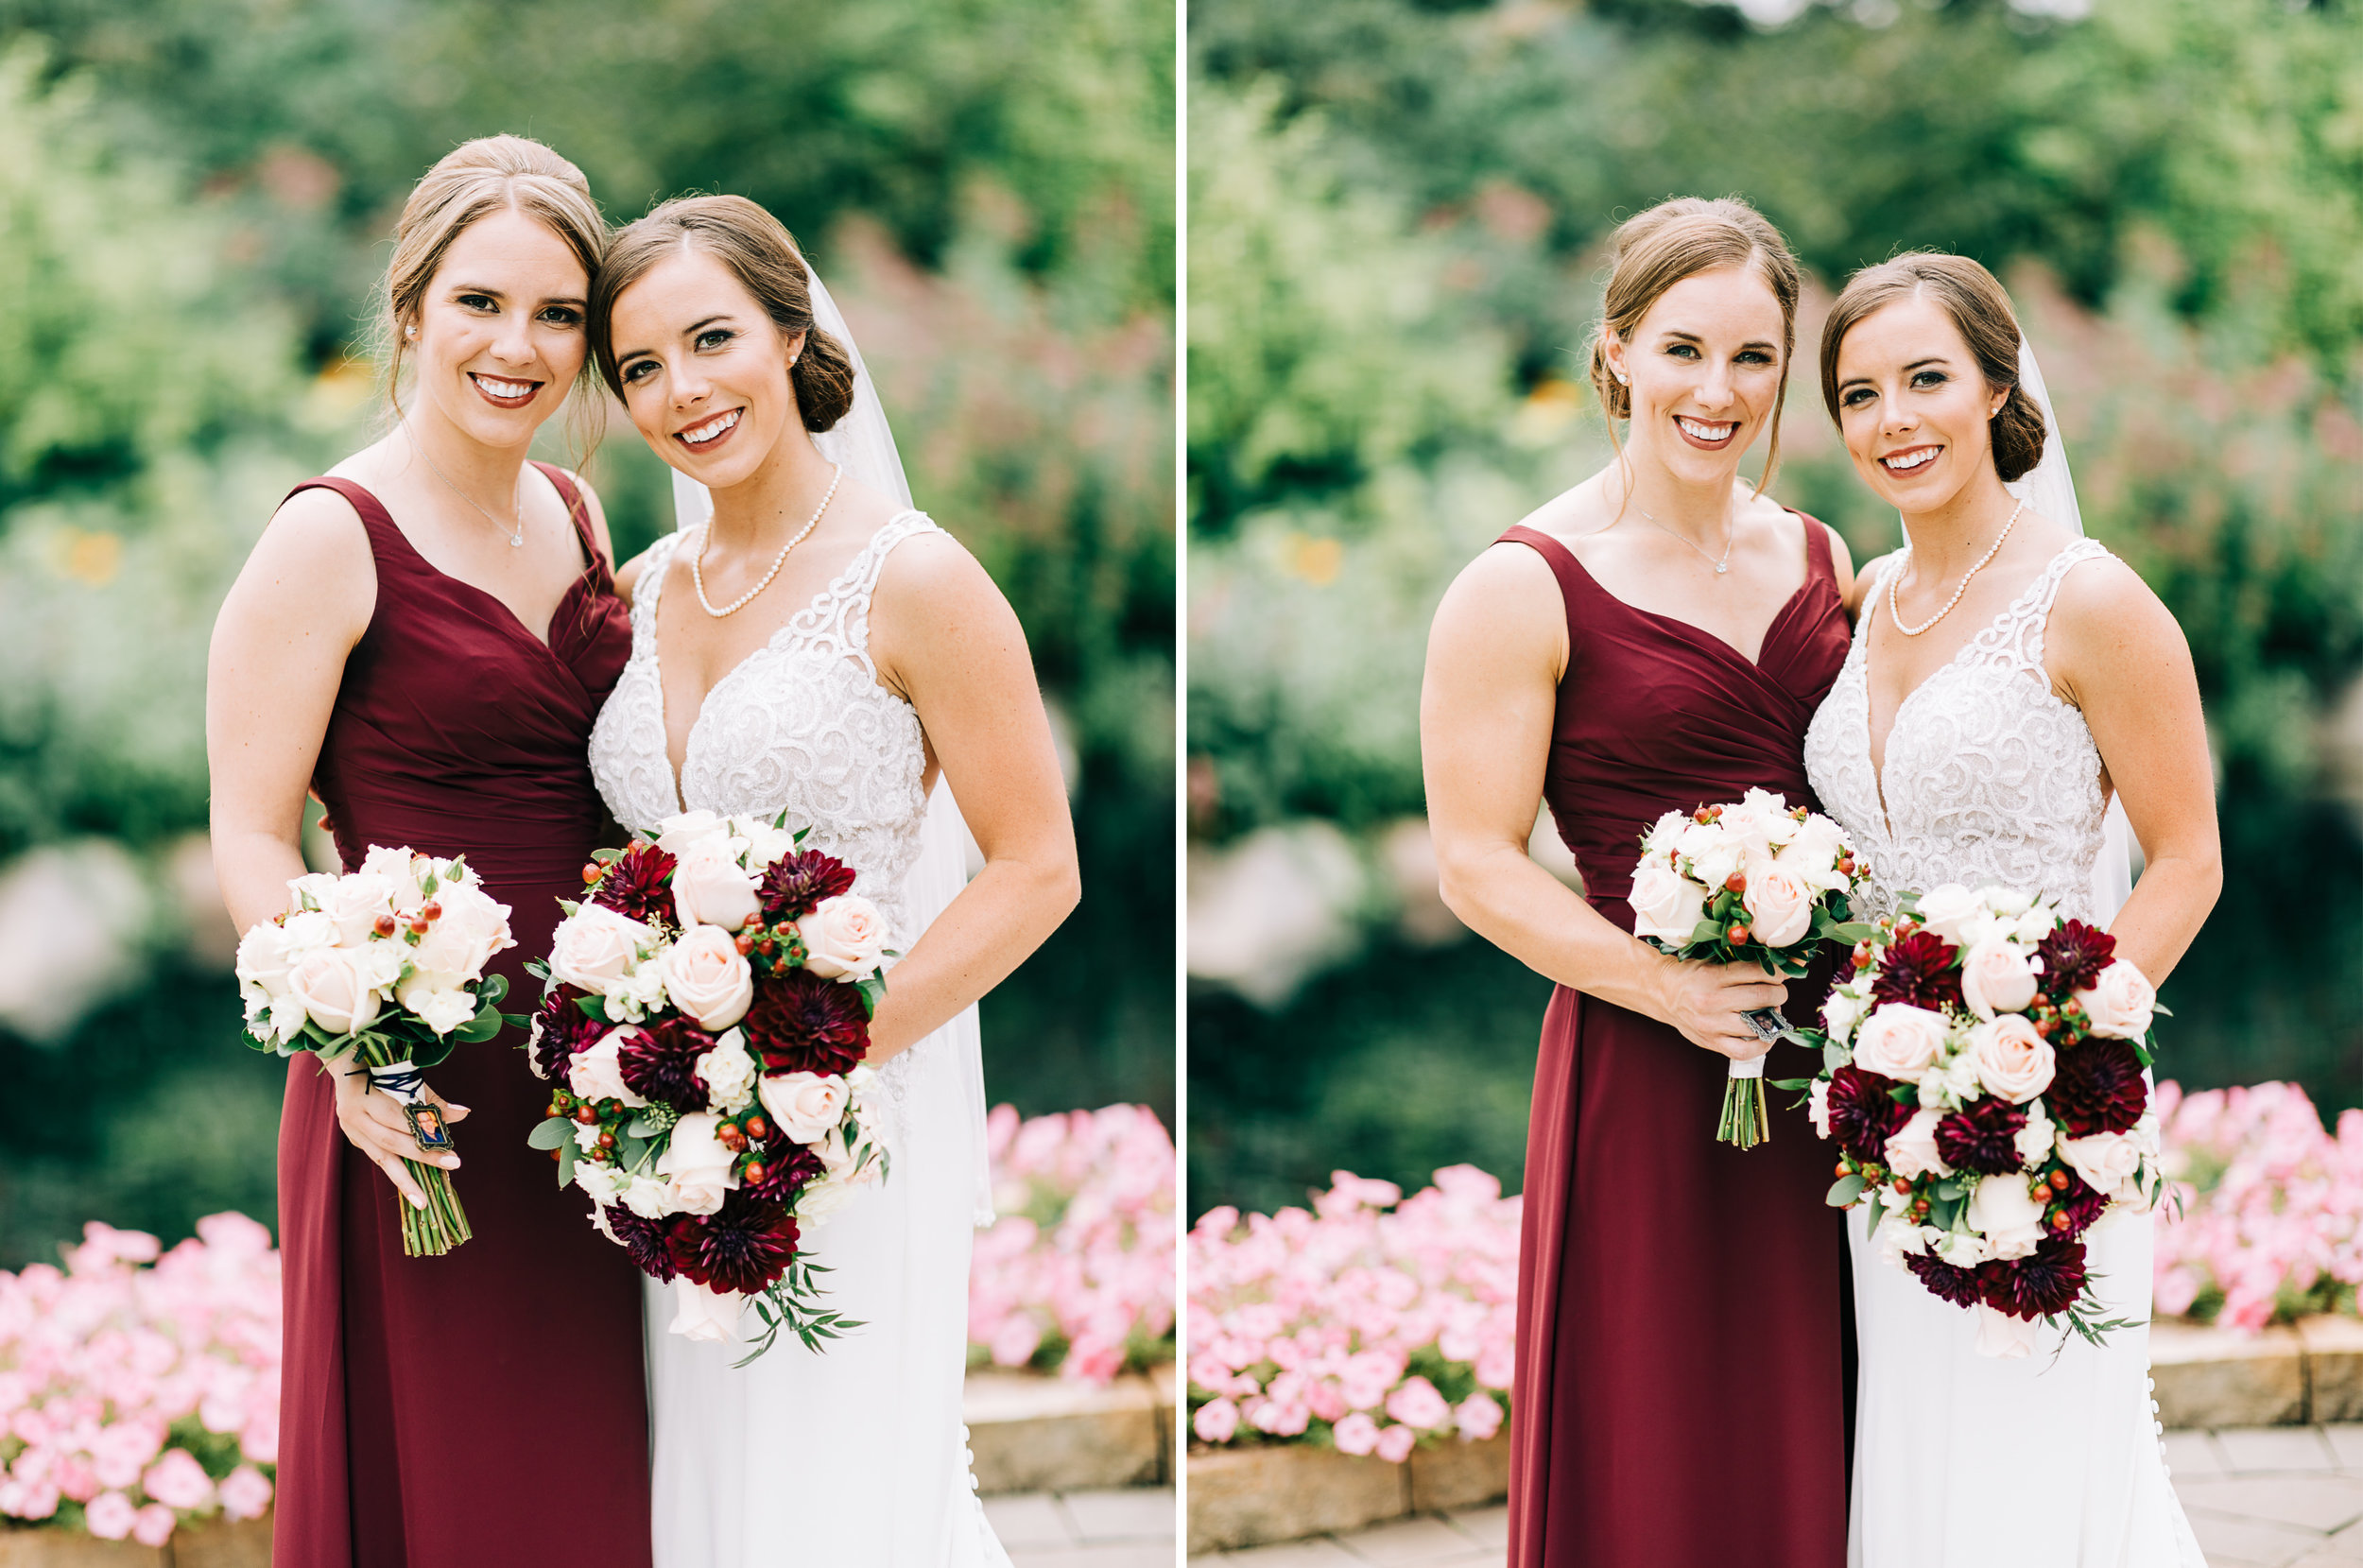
<point>1655,639</point>
<point>434,681</point>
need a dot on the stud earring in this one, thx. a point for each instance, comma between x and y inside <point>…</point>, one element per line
<point>410,331</point>
<point>1622,380</point>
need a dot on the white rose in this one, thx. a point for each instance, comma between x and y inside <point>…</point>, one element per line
<point>1813,853</point>
<point>2108,1161</point>
<point>650,1196</point>
<point>1997,976</point>
<point>2012,1221</point>
<point>2004,1337</point>
<point>700,1168</point>
<point>307,931</point>
<point>603,1182</point>
<point>597,1074</point>
<point>594,947</point>
<point>708,978</point>
<point>400,868</point>
<point>1841,1011</point>
<point>2005,900</point>
<point>356,903</point>
<point>1751,822</point>
<point>1962,1249</point>
<point>807,1107</point>
<point>841,1181</point>
<point>263,959</point>
<point>1818,1105</point>
<point>1898,1041</point>
<point>1665,834</point>
<point>1898,1238</point>
<point>333,985</point>
<point>2033,1141</point>
<point>1912,1150</point>
<point>1779,822</point>
<point>2012,1061</point>
<point>701,1314</point>
<point>765,844</point>
<point>1779,905</point>
<point>1713,854</point>
<point>1954,913</point>
<point>1665,905</point>
<point>710,887</point>
<point>843,936</point>
<point>286,1016</point>
<point>2120,1003</point>
<point>686,832</point>
<point>729,1074</point>
<point>442,1011</point>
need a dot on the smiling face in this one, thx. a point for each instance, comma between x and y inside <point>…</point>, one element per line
<point>704,369</point>
<point>1704,370</point>
<point>500,328</point>
<point>1913,407</point>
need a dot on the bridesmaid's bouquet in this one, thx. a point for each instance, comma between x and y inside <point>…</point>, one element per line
<point>705,1013</point>
<point>385,964</point>
<point>1983,1078</point>
<point>1756,880</point>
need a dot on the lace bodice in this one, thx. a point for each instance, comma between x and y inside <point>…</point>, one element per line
<point>1989,777</point>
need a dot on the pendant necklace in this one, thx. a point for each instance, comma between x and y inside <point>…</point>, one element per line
<point>697,577</point>
<point>514,533</point>
<point>1731,532</point>
<point>1894,576</point>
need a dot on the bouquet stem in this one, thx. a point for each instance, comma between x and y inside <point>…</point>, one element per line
<point>1744,1124</point>
<point>431,1232</point>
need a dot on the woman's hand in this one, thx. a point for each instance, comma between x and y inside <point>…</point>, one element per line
<point>1704,1001</point>
<point>374,1123</point>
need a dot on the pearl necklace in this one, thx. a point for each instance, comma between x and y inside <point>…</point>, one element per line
<point>697,577</point>
<point>1896,575</point>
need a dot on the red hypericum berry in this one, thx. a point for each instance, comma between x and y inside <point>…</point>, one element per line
<point>754,1174</point>
<point>745,943</point>
<point>2059,1180</point>
<point>2071,1009</point>
<point>555,1155</point>
<point>2060,1219</point>
<point>731,1138</point>
<point>1919,1207</point>
<point>591,874</point>
<point>2044,1028</point>
<point>1739,936</point>
<point>767,947</point>
<point>1703,816</point>
<point>1902,1188</point>
<point>1862,957</point>
<point>758,1128</point>
<point>588,1115</point>
<point>431,910</point>
<point>417,927</point>
<point>385,924</point>
<point>1735,882</point>
<point>1845,1168</point>
<point>606,1139</point>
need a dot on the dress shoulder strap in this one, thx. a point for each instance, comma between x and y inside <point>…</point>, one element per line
<point>1819,565</point>
<point>648,585</point>
<point>838,620</point>
<point>387,542</point>
<point>2045,592</point>
<point>1575,584</point>
<point>577,510</point>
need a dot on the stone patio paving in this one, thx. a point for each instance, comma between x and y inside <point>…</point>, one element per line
<point>2257,1497</point>
<point>1115,1527</point>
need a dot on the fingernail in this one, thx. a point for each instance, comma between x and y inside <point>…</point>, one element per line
<point>417,1203</point>
<point>451,1161</point>
<point>461,1108</point>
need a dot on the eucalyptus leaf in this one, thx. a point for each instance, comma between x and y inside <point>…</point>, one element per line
<point>567,1156</point>
<point>1845,1190</point>
<point>551,1131</point>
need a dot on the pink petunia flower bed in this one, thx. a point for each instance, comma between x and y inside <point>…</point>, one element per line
<point>1370,1324</point>
<point>138,1391</point>
<point>1077,1272</point>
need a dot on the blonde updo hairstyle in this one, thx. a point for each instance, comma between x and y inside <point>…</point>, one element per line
<point>762,255</point>
<point>1979,310</point>
<point>1653,250</point>
<point>474,179</point>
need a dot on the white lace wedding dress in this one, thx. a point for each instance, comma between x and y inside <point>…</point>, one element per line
<point>1962,1461</point>
<point>853,1457</point>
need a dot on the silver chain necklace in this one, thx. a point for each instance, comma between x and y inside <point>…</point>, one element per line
<point>697,577</point>
<point>515,533</point>
<point>1731,532</point>
<point>1896,575</point>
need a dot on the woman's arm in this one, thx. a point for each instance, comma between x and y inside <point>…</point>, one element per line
<point>952,645</point>
<point>302,603</point>
<point>2116,651</point>
<point>1494,657</point>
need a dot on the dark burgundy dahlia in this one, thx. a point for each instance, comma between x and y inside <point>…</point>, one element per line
<point>1980,1136</point>
<point>795,884</point>
<point>644,1241</point>
<point>744,1246</point>
<point>1863,1114</point>
<point>787,1168</point>
<point>2097,1087</point>
<point>660,1062</point>
<point>2073,958</point>
<point>1918,970</point>
<point>638,883</point>
<point>802,1024</point>
<point>2082,1202</point>
<point>560,1029</point>
<point>1948,1282</point>
<point>2037,1287</point>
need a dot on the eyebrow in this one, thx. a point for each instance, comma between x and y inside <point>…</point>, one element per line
<point>1694,337</point>
<point>490,292</point>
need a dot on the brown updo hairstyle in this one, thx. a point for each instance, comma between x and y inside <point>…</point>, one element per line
<point>1980,311</point>
<point>762,255</point>
<point>488,175</point>
<point>1655,249</point>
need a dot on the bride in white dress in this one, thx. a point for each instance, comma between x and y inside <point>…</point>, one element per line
<point>807,641</point>
<point>2007,676</point>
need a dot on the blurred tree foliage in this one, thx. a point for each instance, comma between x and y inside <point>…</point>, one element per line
<point>1397,214</point>
<point>194,215</point>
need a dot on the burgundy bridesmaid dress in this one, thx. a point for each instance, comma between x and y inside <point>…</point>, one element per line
<point>486,1408</point>
<point>1680,1396</point>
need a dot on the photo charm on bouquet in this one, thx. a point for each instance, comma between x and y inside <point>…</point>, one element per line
<point>1752,881</point>
<point>1983,1076</point>
<point>385,964</point>
<point>705,1016</point>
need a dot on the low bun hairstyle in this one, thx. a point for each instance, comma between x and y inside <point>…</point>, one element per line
<point>1653,250</point>
<point>1979,310</point>
<point>473,180</point>
<point>763,256</point>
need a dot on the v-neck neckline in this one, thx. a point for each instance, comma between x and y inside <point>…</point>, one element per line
<point>1698,634</point>
<point>509,611</point>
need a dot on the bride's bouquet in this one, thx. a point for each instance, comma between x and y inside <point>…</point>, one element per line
<point>705,1013</point>
<point>1754,881</point>
<point>385,964</point>
<point>1983,1076</point>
